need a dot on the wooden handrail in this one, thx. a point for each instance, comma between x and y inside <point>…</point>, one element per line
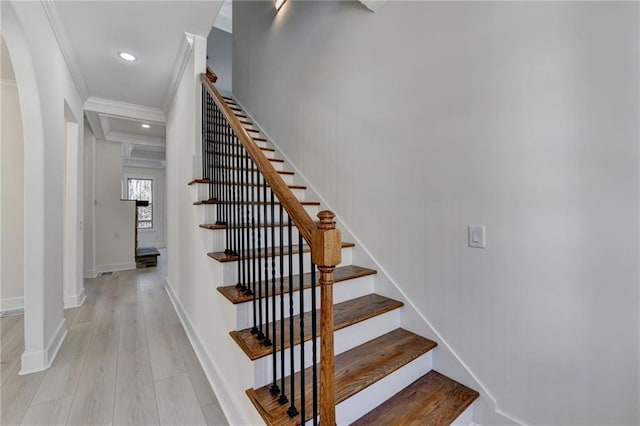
<point>290,203</point>
<point>323,238</point>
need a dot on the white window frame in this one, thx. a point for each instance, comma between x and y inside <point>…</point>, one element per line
<point>125,192</point>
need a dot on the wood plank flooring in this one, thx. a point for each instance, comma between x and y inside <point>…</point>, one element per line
<point>125,360</point>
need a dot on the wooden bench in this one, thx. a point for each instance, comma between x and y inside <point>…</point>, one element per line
<point>146,256</point>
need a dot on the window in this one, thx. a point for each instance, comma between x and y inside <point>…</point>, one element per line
<point>142,189</point>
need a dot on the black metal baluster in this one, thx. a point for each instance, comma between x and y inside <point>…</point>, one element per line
<point>292,411</point>
<point>314,345</point>
<point>247,269</point>
<point>227,189</point>
<point>240,230</point>
<point>301,295</point>
<point>274,386</point>
<point>203,125</point>
<point>267,340</point>
<point>230,221</point>
<point>283,398</point>
<point>254,329</point>
<point>260,335</point>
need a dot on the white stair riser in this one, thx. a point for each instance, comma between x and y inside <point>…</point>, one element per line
<point>210,211</point>
<point>464,419</point>
<point>230,269</point>
<point>344,339</point>
<point>250,192</point>
<point>345,290</point>
<point>219,237</point>
<point>369,398</point>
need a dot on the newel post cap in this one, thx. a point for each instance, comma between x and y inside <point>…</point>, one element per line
<point>326,248</point>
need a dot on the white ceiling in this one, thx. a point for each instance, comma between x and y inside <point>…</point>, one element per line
<point>123,95</point>
<point>151,30</point>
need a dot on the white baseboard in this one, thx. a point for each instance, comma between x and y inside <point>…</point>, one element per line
<point>75,300</point>
<point>33,362</point>
<point>91,273</point>
<point>231,409</point>
<point>11,303</point>
<point>115,267</point>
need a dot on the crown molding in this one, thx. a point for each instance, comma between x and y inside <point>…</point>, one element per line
<point>179,65</point>
<point>143,163</point>
<point>64,43</point>
<point>374,5</point>
<point>122,109</point>
<point>127,138</point>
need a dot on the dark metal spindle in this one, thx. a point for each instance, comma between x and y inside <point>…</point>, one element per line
<point>283,398</point>
<point>292,411</point>
<point>301,295</point>
<point>274,386</point>
<point>256,188</point>
<point>267,340</point>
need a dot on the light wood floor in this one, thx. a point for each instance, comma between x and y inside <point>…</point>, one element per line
<point>125,360</point>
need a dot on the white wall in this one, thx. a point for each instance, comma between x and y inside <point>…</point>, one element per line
<point>219,58</point>
<point>115,219</point>
<point>45,85</point>
<point>151,237</point>
<point>89,202</point>
<point>425,117</point>
<point>11,198</point>
<point>191,276</point>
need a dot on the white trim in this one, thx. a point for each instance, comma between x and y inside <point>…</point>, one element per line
<point>179,65</point>
<point>123,109</point>
<point>8,84</point>
<point>91,273</point>
<point>115,267</point>
<point>11,303</point>
<point>374,5</point>
<point>230,407</point>
<point>223,23</point>
<point>143,163</point>
<point>441,342</point>
<point>65,46</point>
<point>135,139</point>
<point>75,300</point>
<point>33,362</point>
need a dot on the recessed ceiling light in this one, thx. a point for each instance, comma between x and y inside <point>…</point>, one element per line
<point>146,126</point>
<point>127,56</point>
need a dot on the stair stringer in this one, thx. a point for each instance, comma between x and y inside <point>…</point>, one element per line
<point>445,359</point>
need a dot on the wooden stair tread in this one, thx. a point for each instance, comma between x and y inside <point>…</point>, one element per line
<point>198,181</point>
<point>237,114</point>
<point>433,399</point>
<point>258,139</point>
<point>245,184</point>
<point>344,314</point>
<point>253,203</point>
<point>355,370</point>
<point>224,154</point>
<point>282,172</point>
<point>342,273</point>
<point>221,256</point>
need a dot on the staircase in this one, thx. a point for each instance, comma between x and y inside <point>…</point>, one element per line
<point>382,373</point>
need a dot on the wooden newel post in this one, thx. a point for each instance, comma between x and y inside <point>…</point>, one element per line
<point>326,253</point>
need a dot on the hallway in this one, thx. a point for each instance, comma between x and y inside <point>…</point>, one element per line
<point>126,360</point>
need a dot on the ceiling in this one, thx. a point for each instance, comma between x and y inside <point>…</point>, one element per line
<point>151,30</point>
<point>121,96</point>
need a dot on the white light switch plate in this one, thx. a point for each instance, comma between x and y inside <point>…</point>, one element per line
<point>476,236</point>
